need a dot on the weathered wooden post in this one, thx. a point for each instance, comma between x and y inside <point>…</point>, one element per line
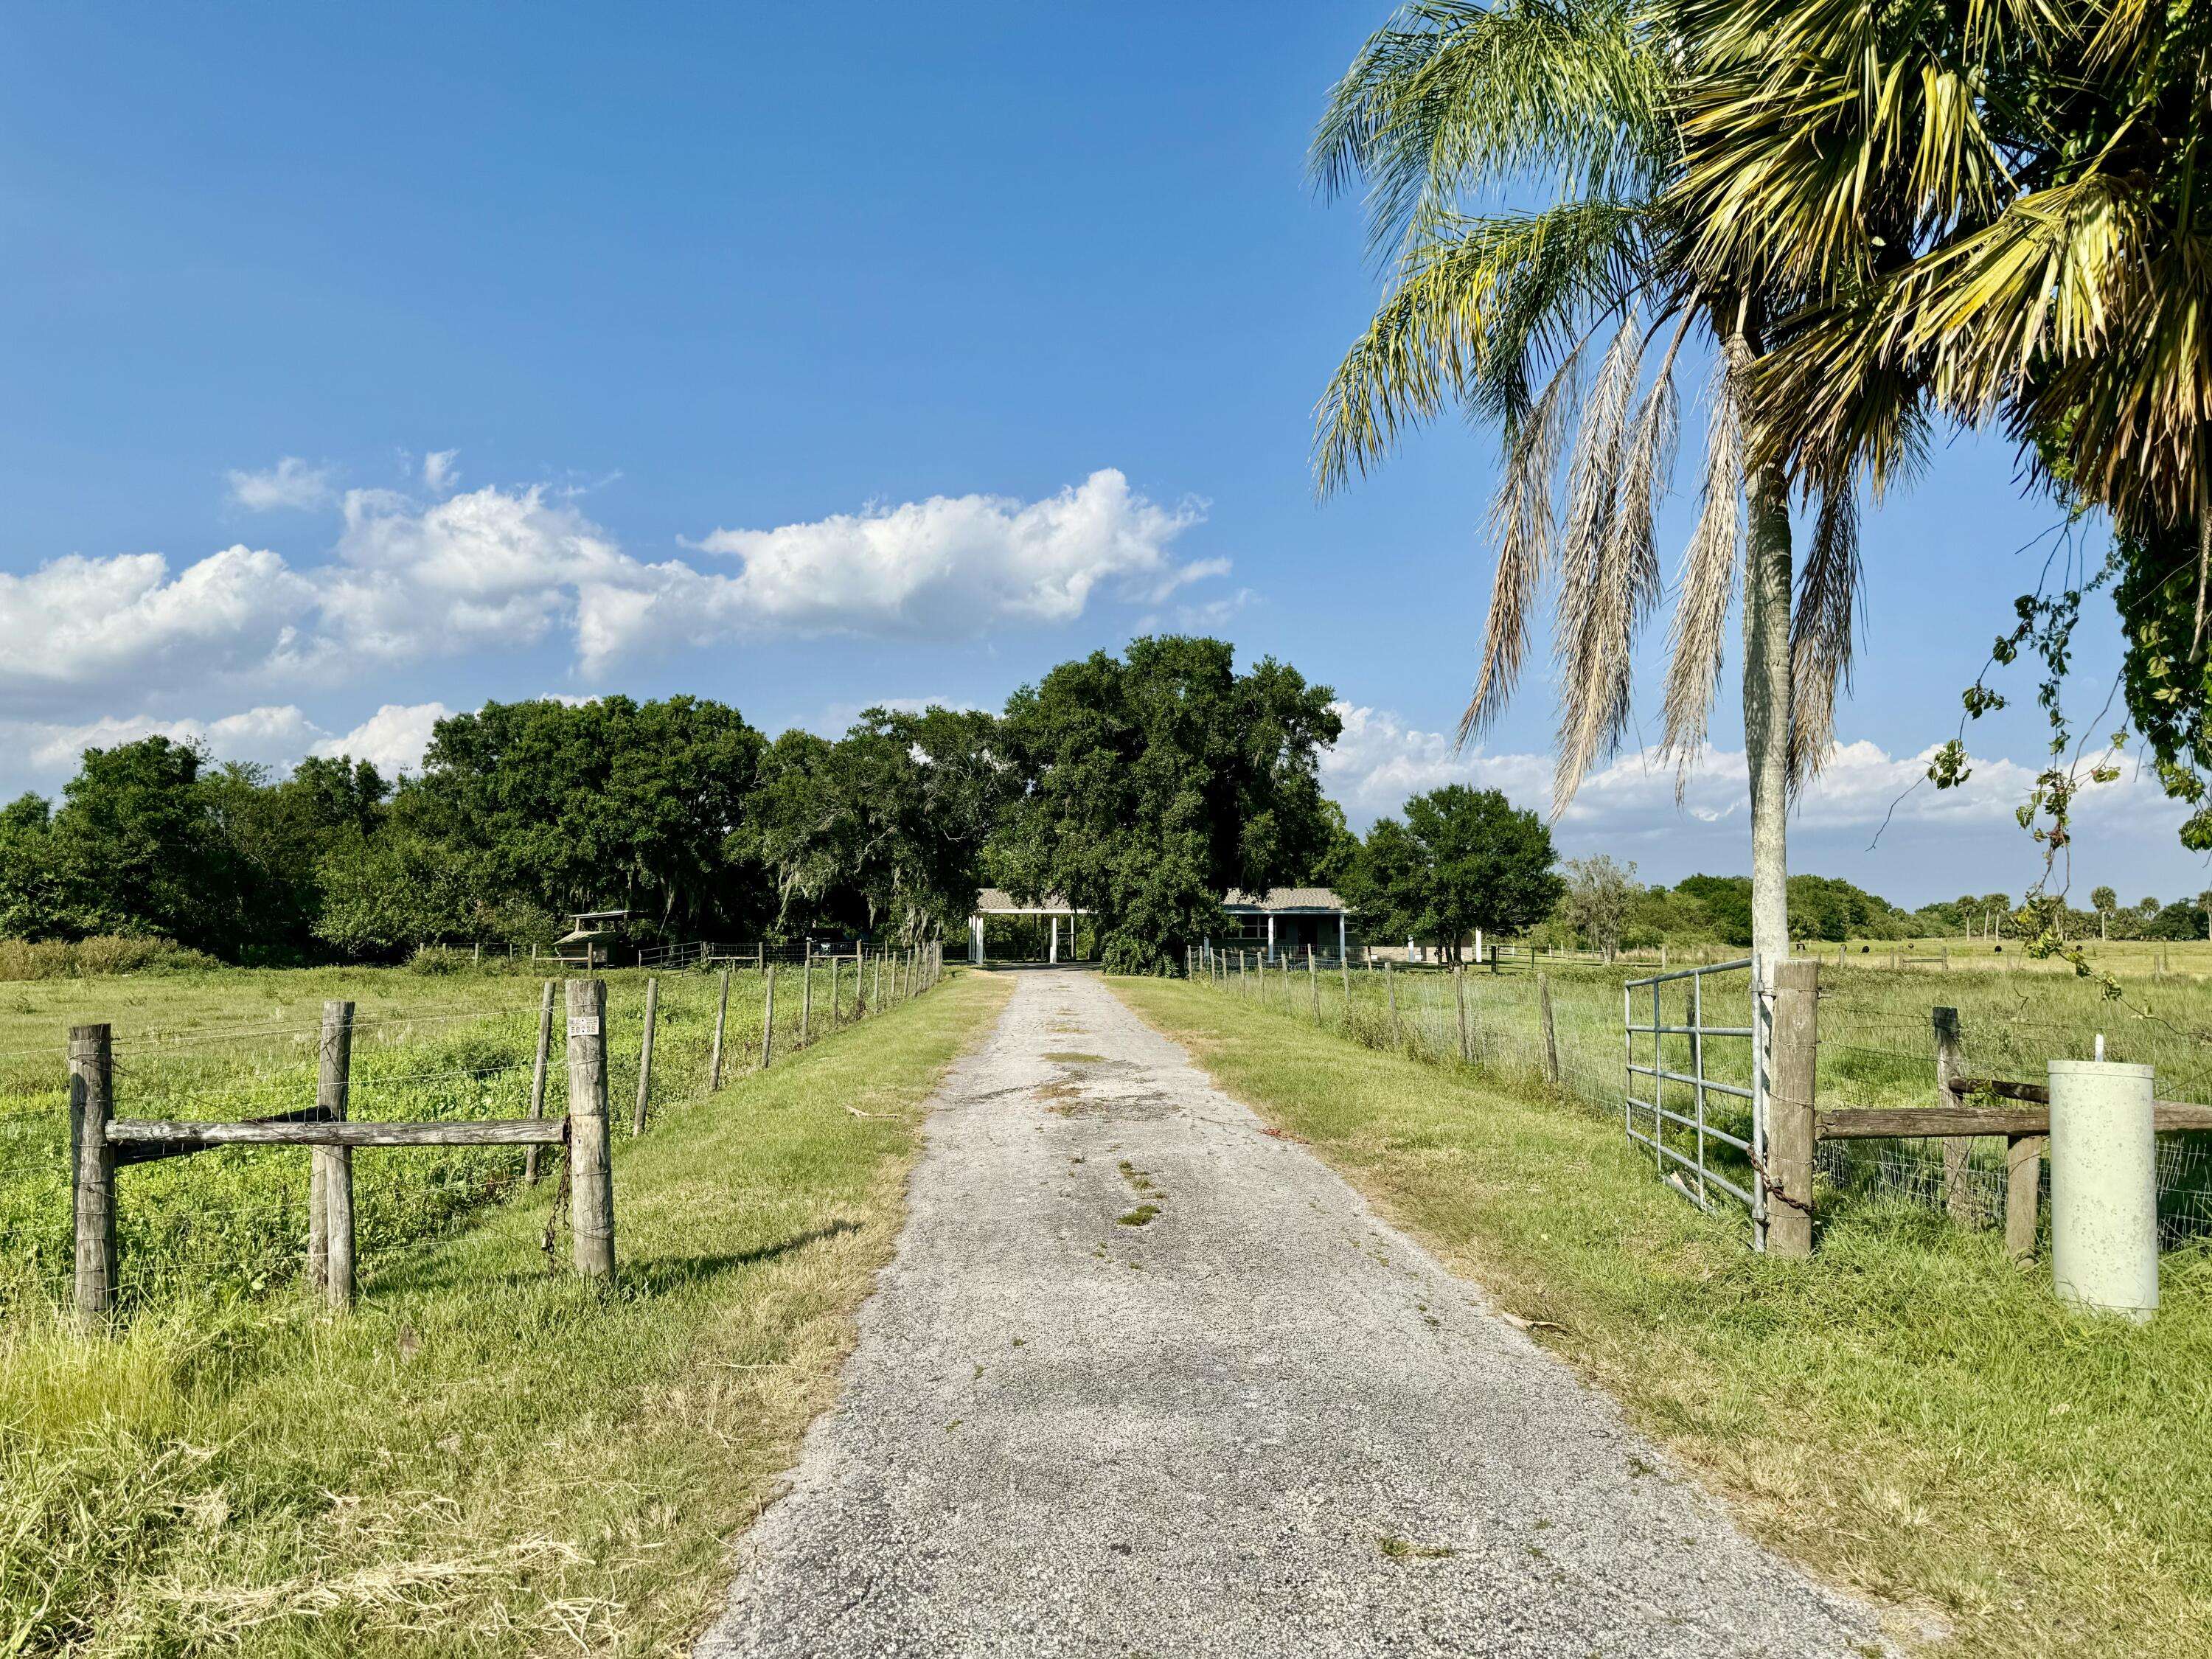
<point>1390,991</point>
<point>1344,972</point>
<point>859,981</point>
<point>591,1175</point>
<point>722,1023</point>
<point>1794,1040</point>
<point>1957,1150</point>
<point>2023,1193</point>
<point>1313,982</point>
<point>1459,988</point>
<point>876,995</point>
<point>92,1165</point>
<point>538,1077</point>
<point>645,1057</point>
<point>1551,1031</point>
<point>768,1020</point>
<point>806,995</point>
<point>330,1187</point>
<point>836,978</point>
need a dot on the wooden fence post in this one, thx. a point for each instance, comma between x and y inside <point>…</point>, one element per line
<point>92,1164</point>
<point>591,1177</point>
<point>330,1187</point>
<point>1390,991</point>
<point>1313,982</point>
<point>1791,1070</point>
<point>645,1057</point>
<point>721,1021</point>
<point>859,981</point>
<point>876,994</point>
<point>1551,1031</point>
<point>1344,972</point>
<point>538,1077</point>
<point>768,1020</point>
<point>1957,1150</point>
<point>1459,988</point>
<point>806,995</point>
<point>2023,1193</point>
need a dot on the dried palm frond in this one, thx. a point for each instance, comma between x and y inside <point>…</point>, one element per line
<point>1709,572</point>
<point>1598,586</point>
<point>1820,634</point>
<point>1521,518</point>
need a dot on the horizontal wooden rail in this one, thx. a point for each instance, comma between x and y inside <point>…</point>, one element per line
<point>175,1137</point>
<point>1920,1122</point>
<point>146,1151</point>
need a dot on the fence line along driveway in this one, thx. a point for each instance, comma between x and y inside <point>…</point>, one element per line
<point>1144,1379</point>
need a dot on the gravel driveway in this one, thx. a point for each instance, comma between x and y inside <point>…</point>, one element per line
<point>1257,1420</point>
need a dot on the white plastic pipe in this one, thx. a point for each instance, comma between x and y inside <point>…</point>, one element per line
<point>2104,1187</point>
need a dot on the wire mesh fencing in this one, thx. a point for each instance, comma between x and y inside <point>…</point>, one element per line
<point>1876,1048</point>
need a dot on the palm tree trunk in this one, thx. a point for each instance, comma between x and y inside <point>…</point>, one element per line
<point>1766,709</point>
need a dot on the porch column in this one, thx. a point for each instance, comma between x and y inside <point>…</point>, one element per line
<point>1271,935</point>
<point>975,939</point>
<point>1340,936</point>
<point>1054,956</point>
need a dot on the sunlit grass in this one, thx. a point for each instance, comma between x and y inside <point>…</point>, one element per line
<point>486,1458</point>
<point>1908,1412</point>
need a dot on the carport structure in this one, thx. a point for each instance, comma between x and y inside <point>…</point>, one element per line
<point>997,902</point>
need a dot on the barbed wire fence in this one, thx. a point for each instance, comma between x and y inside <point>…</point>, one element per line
<point>232,1222</point>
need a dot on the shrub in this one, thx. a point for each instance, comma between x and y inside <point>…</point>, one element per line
<point>102,953</point>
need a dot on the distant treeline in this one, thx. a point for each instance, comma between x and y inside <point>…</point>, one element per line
<point>1143,786</point>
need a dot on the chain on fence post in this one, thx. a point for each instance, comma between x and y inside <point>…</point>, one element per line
<point>591,1174</point>
<point>92,1172</point>
<point>331,1188</point>
<point>645,1057</point>
<point>538,1077</point>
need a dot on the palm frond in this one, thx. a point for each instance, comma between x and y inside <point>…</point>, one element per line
<point>1452,96</point>
<point>1521,518</point>
<point>1475,312</point>
<point>1698,637</point>
<point>1602,578</point>
<point>1820,634</point>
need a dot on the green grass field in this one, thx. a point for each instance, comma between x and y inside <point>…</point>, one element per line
<point>1907,1412</point>
<point>486,1458</point>
<point>233,1043</point>
<point>1876,1048</point>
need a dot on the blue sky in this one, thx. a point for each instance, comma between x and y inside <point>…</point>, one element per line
<point>446,353</point>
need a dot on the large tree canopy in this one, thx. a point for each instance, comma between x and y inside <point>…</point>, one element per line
<point>1151,784</point>
<point>1463,858</point>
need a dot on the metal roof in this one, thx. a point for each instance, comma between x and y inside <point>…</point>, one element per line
<point>997,902</point>
<point>1278,899</point>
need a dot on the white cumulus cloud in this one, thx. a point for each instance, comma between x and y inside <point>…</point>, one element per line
<point>497,569</point>
<point>292,482</point>
<point>438,472</point>
<point>272,735</point>
<point>393,739</point>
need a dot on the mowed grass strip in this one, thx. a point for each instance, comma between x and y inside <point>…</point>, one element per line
<point>485,1458</point>
<point>1907,1413</point>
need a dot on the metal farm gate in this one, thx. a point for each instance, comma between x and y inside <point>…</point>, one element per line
<point>1696,1154</point>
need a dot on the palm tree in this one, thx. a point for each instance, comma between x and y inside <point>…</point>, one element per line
<point>1995,209</point>
<point>1545,324</point>
<point>2104,901</point>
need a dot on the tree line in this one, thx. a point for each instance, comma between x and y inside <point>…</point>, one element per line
<point>1143,786</point>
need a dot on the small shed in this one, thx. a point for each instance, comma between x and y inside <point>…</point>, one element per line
<point>584,945</point>
<point>1288,921</point>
